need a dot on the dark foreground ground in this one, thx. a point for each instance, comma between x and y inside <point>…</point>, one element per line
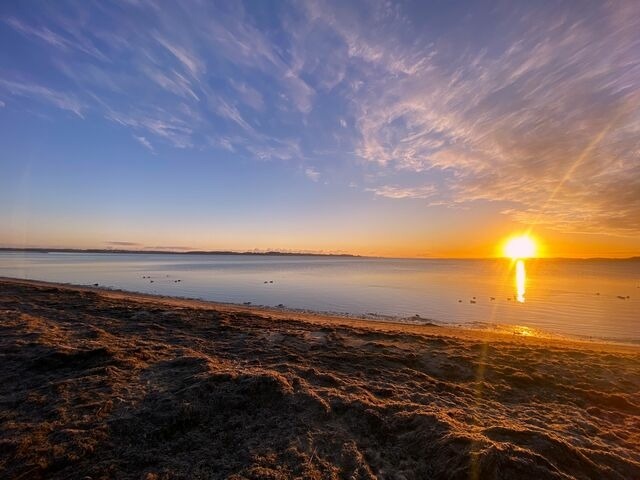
<point>104,385</point>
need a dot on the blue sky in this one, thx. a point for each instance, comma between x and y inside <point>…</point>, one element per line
<point>409,128</point>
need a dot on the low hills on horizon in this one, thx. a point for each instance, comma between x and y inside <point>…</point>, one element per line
<point>273,253</point>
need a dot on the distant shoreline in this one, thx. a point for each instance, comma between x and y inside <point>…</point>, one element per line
<point>276,253</point>
<point>175,252</point>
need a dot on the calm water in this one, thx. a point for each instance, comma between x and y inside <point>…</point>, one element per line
<point>571,297</point>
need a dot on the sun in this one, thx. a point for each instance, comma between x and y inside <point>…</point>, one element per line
<point>522,246</point>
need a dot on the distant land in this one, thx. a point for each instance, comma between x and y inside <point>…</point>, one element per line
<point>172,252</point>
<point>274,253</point>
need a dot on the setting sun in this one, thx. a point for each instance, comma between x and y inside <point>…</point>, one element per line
<point>520,247</point>
<point>353,237</point>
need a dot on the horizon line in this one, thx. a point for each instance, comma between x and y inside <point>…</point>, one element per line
<point>285,253</point>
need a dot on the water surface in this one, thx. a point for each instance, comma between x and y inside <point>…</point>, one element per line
<point>569,297</point>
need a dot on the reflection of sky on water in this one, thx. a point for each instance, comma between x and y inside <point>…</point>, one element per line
<point>561,295</point>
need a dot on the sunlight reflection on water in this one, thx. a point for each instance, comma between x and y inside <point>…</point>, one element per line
<point>521,278</point>
<point>598,298</point>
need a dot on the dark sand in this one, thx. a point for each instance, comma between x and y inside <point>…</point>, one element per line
<point>98,384</point>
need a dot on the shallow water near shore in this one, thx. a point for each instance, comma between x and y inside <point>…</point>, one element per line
<point>586,298</point>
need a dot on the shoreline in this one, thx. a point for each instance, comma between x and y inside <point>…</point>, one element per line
<point>632,257</point>
<point>107,384</point>
<point>488,333</point>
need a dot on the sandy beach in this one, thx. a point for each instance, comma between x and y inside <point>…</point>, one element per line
<point>103,384</point>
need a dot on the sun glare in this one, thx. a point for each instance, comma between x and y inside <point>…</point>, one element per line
<point>520,247</point>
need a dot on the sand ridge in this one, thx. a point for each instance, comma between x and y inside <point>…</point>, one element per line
<point>113,385</point>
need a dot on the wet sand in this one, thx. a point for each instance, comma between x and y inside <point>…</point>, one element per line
<point>102,384</point>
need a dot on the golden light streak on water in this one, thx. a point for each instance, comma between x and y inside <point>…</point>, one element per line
<point>521,279</point>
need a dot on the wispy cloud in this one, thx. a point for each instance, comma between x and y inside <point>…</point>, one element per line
<point>230,112</point>
<point>159,124</point>
<point>279,150</point>
<point>64,101</point>
<point>249,95</point>
<point>172,82</point>
<point>144,142</point>
<point>193,64</point>
<point>399,192</point>
<point>515,124</point>
<point>531,107</point>
<point>312,174</point>
<point>77,41</point>
<point>43,34</point>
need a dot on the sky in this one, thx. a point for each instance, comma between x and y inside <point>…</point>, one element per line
<point>421,128</point>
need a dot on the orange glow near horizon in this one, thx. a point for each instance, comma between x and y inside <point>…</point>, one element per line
<point>522,246</point>
<point>389,242</point>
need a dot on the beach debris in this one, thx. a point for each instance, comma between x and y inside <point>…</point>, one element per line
<point>280,305</point>
<point>459,301</point>
<point>150,281</point>
<point>622,298</point>
<point>492,298</point>
<point>509,298</point>
<point>474,298</point>
<point>96,284</point>
<point>597,293</point>
<point>247,303</point>
<point>266,281</point>
<point>472,301</point>
<point>270,281</point>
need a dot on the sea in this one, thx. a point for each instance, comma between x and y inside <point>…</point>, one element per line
<point>590,299</point>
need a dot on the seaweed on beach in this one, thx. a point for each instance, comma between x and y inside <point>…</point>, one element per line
<point>101,386</point>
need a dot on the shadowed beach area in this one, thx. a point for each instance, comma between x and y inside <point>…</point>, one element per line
<point>104,384</point>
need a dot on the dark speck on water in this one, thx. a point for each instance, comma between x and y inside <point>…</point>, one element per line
<point>396,288</point>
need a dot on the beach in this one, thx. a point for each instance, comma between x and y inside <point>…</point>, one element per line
<point>106,384</point>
